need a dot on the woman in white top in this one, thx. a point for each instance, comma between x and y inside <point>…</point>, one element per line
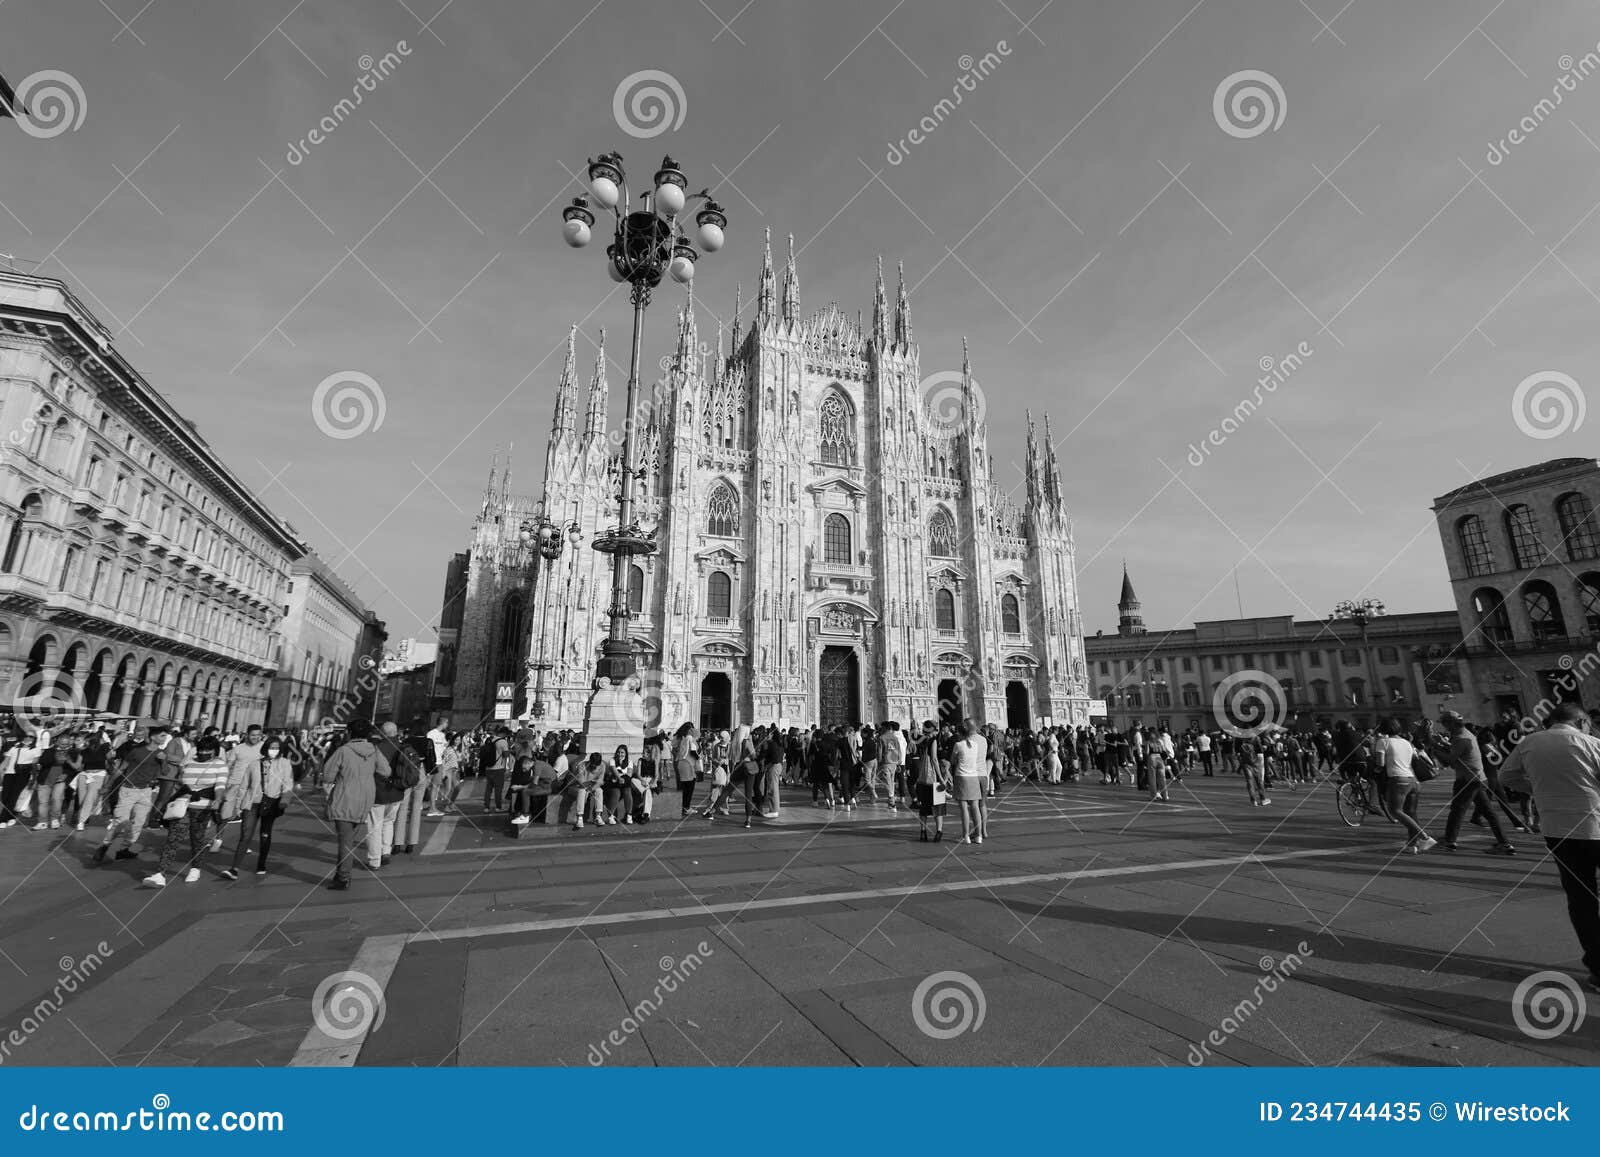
<point>1400,786</point>
<point>969,764</point>
<point>686,762</point>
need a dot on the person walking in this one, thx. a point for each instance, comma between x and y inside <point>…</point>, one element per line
<point>970,768</point>
<point>91,777</point>
<point>388,794</point>
<point>140,763</point>
<point>185,802</point>
<point>931,786</point>
<point>1156,773</point>
<point>1401,789</point>
<point>1560,768</point>
<point>408,816</point>
<point>892,762</point>
<point>1471,788</point>
<point>354,769</point>
<point>445,780</point>
<point>263,794</point>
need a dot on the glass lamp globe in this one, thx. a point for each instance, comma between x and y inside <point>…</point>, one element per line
<point>576,233</point>
<point>616,273</point>
<point>681,270</point>
<point>710,237</point>
<point>669,198</point>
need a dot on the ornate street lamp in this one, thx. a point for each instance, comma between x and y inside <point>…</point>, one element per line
<point>648,242</point>
<point>549,539</point>
<point>1361,612</point>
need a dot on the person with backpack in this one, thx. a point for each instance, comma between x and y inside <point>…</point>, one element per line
<point>494,760</point>
<point>388,792</point>
<point>354,770</point>
<point>408,819</point>
<point>1253,763</point>
<point>257,794</point>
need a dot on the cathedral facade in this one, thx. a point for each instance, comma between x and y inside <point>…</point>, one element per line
<point>832,543</point>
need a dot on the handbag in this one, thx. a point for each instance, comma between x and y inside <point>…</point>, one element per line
<point>24,801</point>
<point>176,809</point>
<point>1423,766</point>
<point>271,807</point>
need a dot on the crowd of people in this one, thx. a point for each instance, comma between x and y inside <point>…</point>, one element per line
<point>178,789</point>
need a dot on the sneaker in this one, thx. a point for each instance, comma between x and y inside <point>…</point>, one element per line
<point>261,871</point>
<point>435,815</point>
<point>769,815</point>
<point>40,826</point>
<point>156,880</point>
<point>1426,843</point>
<point>1266,803</point>
<point>216,844</point>
<point>1449,845</point>
<point>979,840</point>
<point>578,823</point>
<point>520,819</point>
<point>229,874</point>
<point>383,863</point>
<point>1500,850</point>
<point>191,875</point>
<point>55,823</point>
<point>966,839</point>
<point>7,823</point>
<point>627,819</point>
<point>1410,850</point>
<point>80,825</point>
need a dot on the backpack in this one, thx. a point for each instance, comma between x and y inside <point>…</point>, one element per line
<point>487,754</point>
<point>405,771</point>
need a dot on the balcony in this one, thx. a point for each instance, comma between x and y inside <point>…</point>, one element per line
<point>1508,646</point>
<point>854,577</point>
<point>85,501</point>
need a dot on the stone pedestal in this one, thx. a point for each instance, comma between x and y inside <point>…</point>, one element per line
<point>615,715</point>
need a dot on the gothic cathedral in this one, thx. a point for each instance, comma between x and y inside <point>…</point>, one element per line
<point>832,544</point>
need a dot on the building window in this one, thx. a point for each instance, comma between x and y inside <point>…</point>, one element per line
<point>1216,662</point>
<point>944,610</point>
<point>513,645</point>
<point>636,590</point>
<point>1388,655</point>
<point>942,534</point>
<point>1134,696</point>
<point>1281,658</point>
<point>836,430</point>
<point>1395,689</point>
<point>1356,692</point>
<point>1188,663</point>
<point>836,539</point>
<point>1544,611</point>
<point>1576,520</point>
<point>1319,692</point>
<point>1105,668</point>
<point>1315,658</point>
<point>1163,697</point>
<point>1494,622</point>
<point>1191,695</point>
<point>722,512</point>
<point>69,566</point>
<point>1350,658</point>
<point>719,595</point>
<point>1589,600</point>
<point>1475,551</point>
<point>1522,528</point>
<point>1010,615</point>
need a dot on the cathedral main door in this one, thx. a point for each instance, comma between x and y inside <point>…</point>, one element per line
<point>838,687</point>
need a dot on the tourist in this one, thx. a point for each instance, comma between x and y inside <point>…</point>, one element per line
<point>1397,756</point>
<point>585,787</point>
<point>1156,774</point>
<point>446,779</point>
<point>892,762</point>
<point>1252,761</point>
<point>58,764</point>
<point>494,761</point>
<point>686,764</point>
<point>388,792</point>
<point>408,816</point>
<point>258,797</point>
<point>771,757</point>
<point>969,768</point>
<point>92,777</point>
<point>931,785</point>
<point>185,802</point>
<point>1471,788</point>
<point>1560,768</point>
<point>354,769</point>
<point>1203,743</point>
<point>140,763</point>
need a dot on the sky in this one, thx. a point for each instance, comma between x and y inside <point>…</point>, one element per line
<point>1123,246</point>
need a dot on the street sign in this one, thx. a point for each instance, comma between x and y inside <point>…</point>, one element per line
<point>505,692</point>
<point>502,711</point>
<point>1097,707</point>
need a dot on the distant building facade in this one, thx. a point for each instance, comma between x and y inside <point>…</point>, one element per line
<point>1523,552</point>
<point>138,573</point>
<point>1406,665</point>
<point>325,633</point>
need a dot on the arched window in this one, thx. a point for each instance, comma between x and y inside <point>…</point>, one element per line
<point>1589,600</point>
<point>1475,549</point>
<point>1522,528</point>
<point>836,539</point>
<point>32,511</point>
<point>1010,615</point>
<point>1544,611</point>
<point>636,590</point>
<point>836,431</point>
<point>1356,692</point>
<point>1576,520</point>
<point>722,512</point>
<point>509,667</point>
<point>719,595</point>
<point>1494,623</point>
<point>944,610</point>
<point>942,534</point>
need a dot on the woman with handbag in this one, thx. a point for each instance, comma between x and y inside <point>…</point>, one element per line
<point>686,763</point>
<point>257,794</point>
<point>932,787</point>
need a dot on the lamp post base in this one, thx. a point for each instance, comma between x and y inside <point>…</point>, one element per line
<point>615,717</point>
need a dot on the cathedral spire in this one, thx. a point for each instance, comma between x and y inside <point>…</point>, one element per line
<point>1052,470</point>
<point>902,309</point>
<point>791,288</point>
<point>738,307</point>
<point>1034,467</point>
<point>688,356</point>
<point>494,468</point>
<point>595,427</point>
<point>716,356</point>
<point>880,310</point>
<point>566,392</point>
<point>765,294</point>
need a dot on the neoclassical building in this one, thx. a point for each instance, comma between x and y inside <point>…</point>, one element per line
<point>138,573</point>
<point>833,544</point>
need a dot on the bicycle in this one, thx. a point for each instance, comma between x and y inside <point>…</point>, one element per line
<point>1353,801</point>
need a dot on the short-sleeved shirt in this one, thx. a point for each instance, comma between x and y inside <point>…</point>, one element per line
<point>1466,758</point>
<point>969,755</point>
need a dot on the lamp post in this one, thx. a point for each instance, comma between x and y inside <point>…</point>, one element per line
<point>647,243</point>
<point>1361,612</point>
<point>550,540</point>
